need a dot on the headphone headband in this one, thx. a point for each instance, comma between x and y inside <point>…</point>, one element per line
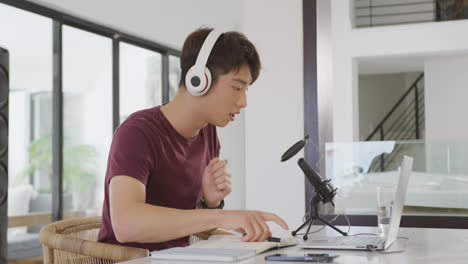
<point>206,48</point>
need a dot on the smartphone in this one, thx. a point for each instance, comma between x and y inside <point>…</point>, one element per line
<point>323,258</point>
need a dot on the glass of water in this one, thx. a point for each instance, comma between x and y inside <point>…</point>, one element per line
<point>385,199</point>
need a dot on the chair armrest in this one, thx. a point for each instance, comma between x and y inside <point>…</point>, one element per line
<point>50,238</point>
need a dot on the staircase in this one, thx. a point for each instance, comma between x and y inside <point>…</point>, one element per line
<point>405,121</point>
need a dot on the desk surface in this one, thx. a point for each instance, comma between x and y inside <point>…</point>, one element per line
<point>424,246</point>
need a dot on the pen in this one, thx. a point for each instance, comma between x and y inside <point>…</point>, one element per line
<point>270,239</point>
<point>274,239</point>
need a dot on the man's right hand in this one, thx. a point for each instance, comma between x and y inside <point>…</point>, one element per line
<point>251,223</point>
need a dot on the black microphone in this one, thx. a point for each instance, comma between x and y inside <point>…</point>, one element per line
<point>324,189</point>
<point>294,149</point>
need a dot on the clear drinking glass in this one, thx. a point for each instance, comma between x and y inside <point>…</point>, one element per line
<point>385,200</point>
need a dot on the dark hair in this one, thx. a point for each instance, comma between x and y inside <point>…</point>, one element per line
<point>231,51</point>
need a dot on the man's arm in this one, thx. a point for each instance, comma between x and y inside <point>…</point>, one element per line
<point>133,220</point>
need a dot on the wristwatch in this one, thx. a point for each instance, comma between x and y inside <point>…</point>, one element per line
<point>204,206</point>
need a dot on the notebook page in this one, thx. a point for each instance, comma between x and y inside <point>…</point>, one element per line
<point>234,242</point>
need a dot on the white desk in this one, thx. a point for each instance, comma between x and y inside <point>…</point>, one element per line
<point>424,246</point>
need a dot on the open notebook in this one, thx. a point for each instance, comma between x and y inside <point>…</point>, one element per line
<point>221,248</point>
<point>235,242</point>
<point>203,254</point>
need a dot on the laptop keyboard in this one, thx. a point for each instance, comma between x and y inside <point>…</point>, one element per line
<point>361,240</point>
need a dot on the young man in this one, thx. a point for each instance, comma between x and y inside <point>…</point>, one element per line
<point>163,163</point>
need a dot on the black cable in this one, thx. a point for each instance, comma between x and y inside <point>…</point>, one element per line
<point>371,248</point>
<point>324,225</point>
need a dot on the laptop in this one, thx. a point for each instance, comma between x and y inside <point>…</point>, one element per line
<point>371,242</point>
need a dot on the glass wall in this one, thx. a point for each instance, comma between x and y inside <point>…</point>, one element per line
<point>28,38</point>
<point>140,79</point>
<point>87,118</point>
<point>437,185</point>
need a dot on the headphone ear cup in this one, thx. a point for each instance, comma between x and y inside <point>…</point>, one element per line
<point>198,82</point>
<point>195,81</point>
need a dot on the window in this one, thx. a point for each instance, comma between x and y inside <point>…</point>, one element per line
<point>92,58</point>
<point>140,79</point>
<point>28,38</point>
<point>87,118</point>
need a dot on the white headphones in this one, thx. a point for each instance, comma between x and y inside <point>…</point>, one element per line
<point>198,78</point>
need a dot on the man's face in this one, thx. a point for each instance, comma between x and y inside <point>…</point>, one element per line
<point>227,97</point>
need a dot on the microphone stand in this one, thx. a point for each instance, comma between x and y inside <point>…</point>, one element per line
<point>314,206</point>
<point>325,192</point>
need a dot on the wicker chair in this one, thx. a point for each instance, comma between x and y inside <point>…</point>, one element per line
<point>74,241</point>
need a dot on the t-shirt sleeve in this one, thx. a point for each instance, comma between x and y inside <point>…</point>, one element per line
<point>130,154</point>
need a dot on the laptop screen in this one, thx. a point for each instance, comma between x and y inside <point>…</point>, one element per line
<point>397,210</point>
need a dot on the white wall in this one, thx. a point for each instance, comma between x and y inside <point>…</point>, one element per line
<point>274,116</point>
<point>425,39</point>
<point>169,23</point>
<point>446,98</point>
<point>378,93</point>
<point>232,139</point>
<point>324,78</point>
<point>446,108</point>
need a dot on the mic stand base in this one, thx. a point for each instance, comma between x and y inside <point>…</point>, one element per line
<point>312,218</point>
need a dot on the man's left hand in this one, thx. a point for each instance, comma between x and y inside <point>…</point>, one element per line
<point>216,183</point>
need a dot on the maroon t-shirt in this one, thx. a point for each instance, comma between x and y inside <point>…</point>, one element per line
<point>147,148</point>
